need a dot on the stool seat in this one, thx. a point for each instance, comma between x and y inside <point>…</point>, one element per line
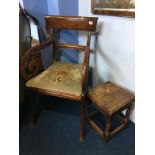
<point>110,98</point>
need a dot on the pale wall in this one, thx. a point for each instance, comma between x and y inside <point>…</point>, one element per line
<point>114,58</point>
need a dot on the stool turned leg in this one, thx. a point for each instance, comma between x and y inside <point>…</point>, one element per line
<point>106,134</point>
<point>82,116</point>
<point>127,114</point>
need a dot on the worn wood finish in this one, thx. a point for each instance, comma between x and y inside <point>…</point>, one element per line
<point>87,24</point>
<point>71,22</point>
<point>110,99</point>
<point>119,98</point>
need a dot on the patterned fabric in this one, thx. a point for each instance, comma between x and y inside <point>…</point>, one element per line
<point>60,77</point>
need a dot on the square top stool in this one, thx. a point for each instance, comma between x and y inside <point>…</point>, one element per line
<point>110,99</point>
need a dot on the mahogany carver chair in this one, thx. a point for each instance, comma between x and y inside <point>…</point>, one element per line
<point>62,79</point>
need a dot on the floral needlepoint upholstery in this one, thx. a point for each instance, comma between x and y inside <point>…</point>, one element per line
<point>60,77</point>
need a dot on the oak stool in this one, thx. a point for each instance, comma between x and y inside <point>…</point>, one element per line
<point>110,99</point>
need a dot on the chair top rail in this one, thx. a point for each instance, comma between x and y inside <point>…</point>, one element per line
<point>71,22</point>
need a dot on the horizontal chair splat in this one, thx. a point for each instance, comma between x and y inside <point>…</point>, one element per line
<point>71,46</point>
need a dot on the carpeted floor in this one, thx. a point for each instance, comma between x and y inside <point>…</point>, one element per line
<point>57,133</point>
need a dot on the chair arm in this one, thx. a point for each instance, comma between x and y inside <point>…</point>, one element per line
<point>28,66</point>
<point>37,49</point>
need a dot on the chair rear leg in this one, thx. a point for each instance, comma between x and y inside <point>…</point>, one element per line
<point>32,102</point>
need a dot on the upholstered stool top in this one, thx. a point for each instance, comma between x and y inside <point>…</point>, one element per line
<point>110,98</point>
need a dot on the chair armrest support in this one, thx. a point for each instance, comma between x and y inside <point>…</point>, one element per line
<point>86,64</point>
<point>85,74</point>
<point>28,67</point>
<point>37,49</point>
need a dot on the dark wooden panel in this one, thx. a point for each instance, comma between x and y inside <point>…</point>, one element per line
<point>71,22</point>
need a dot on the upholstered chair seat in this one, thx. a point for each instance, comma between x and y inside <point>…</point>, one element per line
<point>59,77</point>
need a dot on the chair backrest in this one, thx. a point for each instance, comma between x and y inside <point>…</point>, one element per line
<point>71,22</point>
<point>87,24</point>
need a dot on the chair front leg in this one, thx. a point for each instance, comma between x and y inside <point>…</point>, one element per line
<point>82,115</point>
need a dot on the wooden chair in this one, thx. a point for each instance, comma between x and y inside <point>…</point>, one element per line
<point>62,79</point>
